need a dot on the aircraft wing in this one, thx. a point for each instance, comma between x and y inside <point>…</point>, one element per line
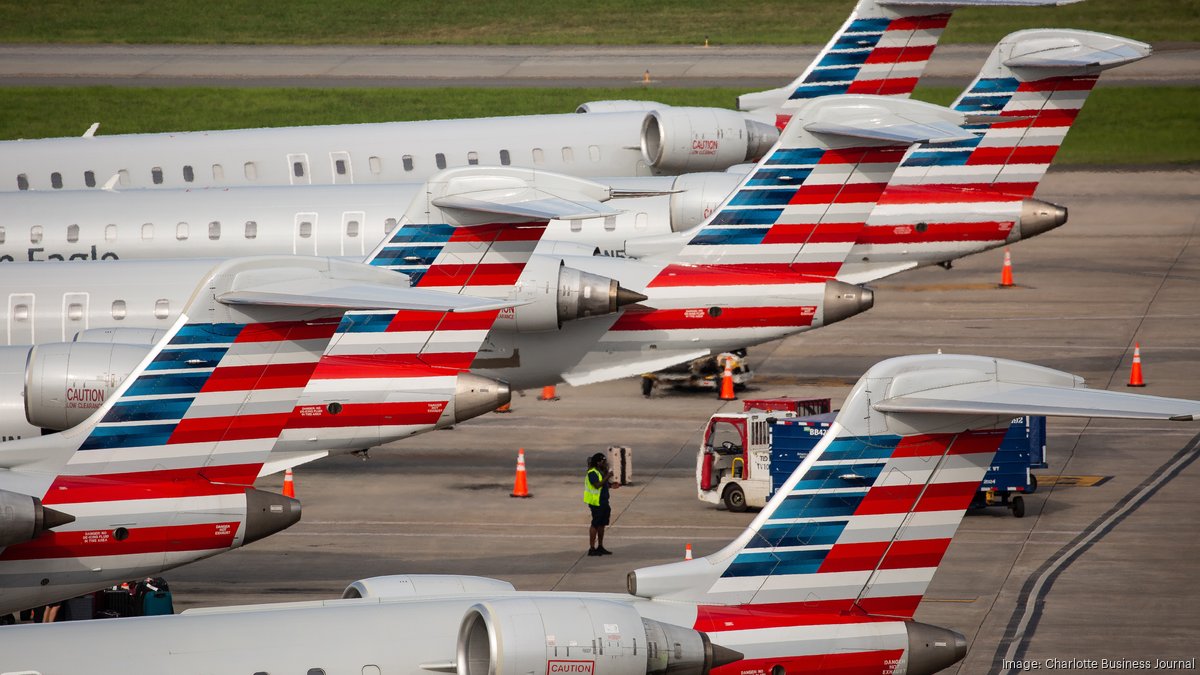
<point>628,367</point>
<point>1004,398</point>
<point>534,204</point>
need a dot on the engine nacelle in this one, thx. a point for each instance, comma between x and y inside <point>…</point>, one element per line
<point>697,195</point>
<point>22,518</point>
<point>578,636</point>
<point>683,140</point>
<point>558,293</point>
<point>125,336</point>
<point>65,382</point>
<point>423,585</point>
<point>619,106</point>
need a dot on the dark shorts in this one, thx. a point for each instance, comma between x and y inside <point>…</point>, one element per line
<point>600,515</point>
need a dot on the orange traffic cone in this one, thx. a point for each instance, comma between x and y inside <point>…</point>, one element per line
<point>289,484</point>
<point>1006,279</point>
<point>520,486</point>
<point>1135,374</point>
<point>727,382</point>
<point>506,408</point>
<point>548,394</point>
<point>687,552</point>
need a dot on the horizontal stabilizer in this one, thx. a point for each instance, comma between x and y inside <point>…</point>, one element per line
<point>282,461</point>
<point>298,281</point>
<point>890,120</point>
<point>475,195</point>
<point>1075,49</point>
<point>363,297</point>
<point>1014,400</point>
<point>533,205</point>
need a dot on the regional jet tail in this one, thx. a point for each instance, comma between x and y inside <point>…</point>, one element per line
<point>162,473</point>
<point>825,579</point>
<point>882,48</point>
<point>949,200</point>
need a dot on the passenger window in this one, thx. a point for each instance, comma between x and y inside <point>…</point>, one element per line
<point>21,312</point>
<point>74,311</point>
<point>472,157</point>
<point>123,177</point>
<point>89,178</point>
<point>641,220</point>
<point>214,230</point>
<point>594,153</point>
<point>376,165</point>
<point>251,229</point>
<point>576,225</point>
<point>118,309</point>
<point>156,175</point>
<point>610,223</point>
<point>505,158</point>
<point>568,155</point>
<point>298,169</point>
<point>22,182</point>
<point>408,162</point>
<point>147,231</point>
<point>56,180</point>
<point>316,671</point>
<point>72,233</point>
<point>162,308</point>
<point>218,172</point>
<point>181,231</point>
<point>2,234</point>
<point>305,229</point>
<point>352,228</point>
<point>340,165</point>
<point>251,171</point>
<point>35,234</point>
<point>440,160</point>
<point>389,225</point>
<point>539,157</point>
<point>188,174</point>
<point>110,232</point>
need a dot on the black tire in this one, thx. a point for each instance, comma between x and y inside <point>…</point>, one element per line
<point>735,499</point>
<point>1032,483</point>
<point>1018,507</point>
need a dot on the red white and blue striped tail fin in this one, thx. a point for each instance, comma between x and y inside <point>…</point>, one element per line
<point>862,524</point>
<point>1029,92</point>
<point>882,48</point>
<point>799,211</point>
<point>162,473</point>
<point>394,374</point>
<point>476,227</point>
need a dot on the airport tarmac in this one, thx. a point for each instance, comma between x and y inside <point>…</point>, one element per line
<point>1105,571</point>
<point>749,67</point>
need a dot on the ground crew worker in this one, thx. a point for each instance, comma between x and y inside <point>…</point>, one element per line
<point>596,483</point>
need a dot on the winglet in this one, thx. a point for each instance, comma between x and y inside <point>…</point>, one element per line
<point>91,131</point>
<point>1072,49</point>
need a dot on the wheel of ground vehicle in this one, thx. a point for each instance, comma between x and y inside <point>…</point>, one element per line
<point>735,499</point>
<point>1018,507</point>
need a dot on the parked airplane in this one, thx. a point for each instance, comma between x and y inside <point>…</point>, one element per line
<point>162,473</point>
<point>730,286</point>
<point>387,375</point>
<point>825,579</point>
<point>882,48</point>
<point>930,213</point>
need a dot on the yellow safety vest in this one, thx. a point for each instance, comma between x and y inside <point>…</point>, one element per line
<point>591,494</point>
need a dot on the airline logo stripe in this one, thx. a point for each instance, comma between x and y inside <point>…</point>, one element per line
<point>696,318</point>
<point>862,57</point>
<point>201,357</point>
<point>750,274</point>
<point>371,414</point>
<point>850,487</point>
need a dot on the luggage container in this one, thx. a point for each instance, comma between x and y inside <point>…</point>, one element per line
<point>1009,477</point>
<point>803,407</point>
<point>620,461</point>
